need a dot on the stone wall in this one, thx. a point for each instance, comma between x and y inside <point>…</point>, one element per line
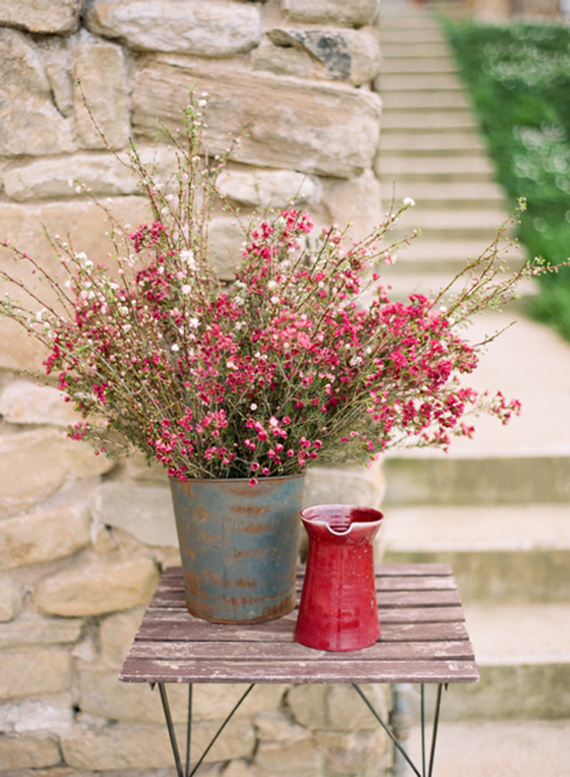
<point>83,538</point>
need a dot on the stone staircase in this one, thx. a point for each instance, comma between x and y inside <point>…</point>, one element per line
<point>431,150</point>
<point>497,507</point>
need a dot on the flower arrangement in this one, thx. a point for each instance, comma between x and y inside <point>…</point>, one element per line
<point>302,359</point>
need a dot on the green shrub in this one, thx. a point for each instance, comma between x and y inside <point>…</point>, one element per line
<point>518,77</point>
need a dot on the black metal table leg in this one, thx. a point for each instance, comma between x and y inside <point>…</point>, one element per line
<point>186,772</point>
<point>424,772</point>
<point>170,727</point>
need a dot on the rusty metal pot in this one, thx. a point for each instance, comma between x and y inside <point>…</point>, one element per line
<point>239,546</point>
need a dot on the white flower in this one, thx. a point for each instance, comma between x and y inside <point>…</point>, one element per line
<point>253,406</point>
<point>408,202</point>
<point>175,347</point>
<point>194,323</point>
<point>187,257</point>
<point>186,289</point>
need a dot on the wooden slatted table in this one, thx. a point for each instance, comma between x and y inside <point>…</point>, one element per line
<point>424,640</point>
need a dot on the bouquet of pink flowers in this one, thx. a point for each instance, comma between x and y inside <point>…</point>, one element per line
<point>302,359</point>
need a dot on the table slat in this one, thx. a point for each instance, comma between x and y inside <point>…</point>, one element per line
<point>324,671</point>
<point>238,651</point>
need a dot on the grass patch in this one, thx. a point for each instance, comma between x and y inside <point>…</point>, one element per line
<point>518,77</point>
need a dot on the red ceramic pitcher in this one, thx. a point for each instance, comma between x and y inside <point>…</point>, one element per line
<point>338,609</point>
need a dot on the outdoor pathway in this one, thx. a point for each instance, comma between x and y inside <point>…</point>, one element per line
<point>496,507</point>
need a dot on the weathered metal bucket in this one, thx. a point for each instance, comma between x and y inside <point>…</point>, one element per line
<point>239,546</point>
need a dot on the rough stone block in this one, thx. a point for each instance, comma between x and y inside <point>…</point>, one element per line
<point>336,707</point>
<point>19,351</point>
<point>357,13</point>
<point>205,28</point>
<point>226,245</point>
<point>286,61</point>
<point>130,746</point>
<point>327,129</point>
<point>138,469</point>
<point>278,727</point>
<point>34,630</point>
<point>24,402</point>
<point>240,768</point>
<point>49,16</point>
<point>29,539</point>
<point>57,54</point>
<point>27,752</point>
<point>213,701</point>
<point>50,715</point>
<point>345,55</point>
<point>36,464</point>
<point>100,68</point>
<point>308,705</point>
<point>353,754</point>
<point>10,599</point>
<point>85,224</point>
<point>116,634</point>
<point>298,759</point>
<point>144,511</point>
<point>102,695</point>
<point>269,188</point>
<point>26,103</point>
<point>101,174</point>
<point>356,202</point>
<point>33,671</point>
<point>347,712</point>
<point>98,587</point>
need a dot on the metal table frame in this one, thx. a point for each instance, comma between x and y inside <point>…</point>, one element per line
<point>424,640</point>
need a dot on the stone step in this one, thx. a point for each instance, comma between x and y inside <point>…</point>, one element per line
<point>490,480</point>
<point>527,461</point>
<point>524,661</point>
<point>432,143</point>
<point>515,554</point>
<point>480,224</point>
<point>495,507</point>
<point>393,49</point>
<point>429,283</point>
<point>427,121</point>
<point>454,194</point>
<point>522,652</point>
<point>404,64</point>
<point>419,81</point>
<point>424,100</point>
<point>467,167</point>
<point>518,748</point>
<point>430,264</point>
<point>399,20</point>
<point>428,34</point>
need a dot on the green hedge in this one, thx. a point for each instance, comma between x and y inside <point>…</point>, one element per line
<point>518,76</point>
